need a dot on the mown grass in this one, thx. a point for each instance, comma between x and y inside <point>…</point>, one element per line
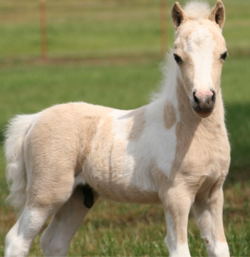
<point>92,29</point>
<point>122,229</point>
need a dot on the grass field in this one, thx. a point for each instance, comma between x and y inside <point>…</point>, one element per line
<point>124,40</point>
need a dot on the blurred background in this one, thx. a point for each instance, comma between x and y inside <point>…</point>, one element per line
<point>109,52</point>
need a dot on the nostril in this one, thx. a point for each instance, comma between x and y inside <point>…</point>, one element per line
<point>196,99</point>
<point>213,95</point>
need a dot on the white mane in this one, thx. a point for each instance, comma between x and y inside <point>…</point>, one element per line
<point>168,82</point>
<point>197,10</point>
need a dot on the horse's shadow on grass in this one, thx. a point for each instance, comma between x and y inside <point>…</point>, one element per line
<point>238,124</point>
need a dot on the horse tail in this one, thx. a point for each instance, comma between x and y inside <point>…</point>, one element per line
<point>14,153</point>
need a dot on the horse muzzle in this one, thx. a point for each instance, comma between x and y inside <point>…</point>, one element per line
<point>203,102</point>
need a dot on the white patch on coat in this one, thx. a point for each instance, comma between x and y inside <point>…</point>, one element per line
<point>161,142</point>
<point>19,238</point>
<point>218,249</point>
<point>137,152</point>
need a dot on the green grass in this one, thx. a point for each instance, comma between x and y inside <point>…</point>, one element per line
<point>94,29</point>
<point>123,229</point>
<point>101,28</point>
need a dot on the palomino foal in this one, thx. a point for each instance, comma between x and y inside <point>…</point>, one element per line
<point>174,150</point>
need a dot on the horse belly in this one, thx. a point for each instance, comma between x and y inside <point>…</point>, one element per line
<point>121,191</point>
<point>117,180</point>
<point>115,174</point>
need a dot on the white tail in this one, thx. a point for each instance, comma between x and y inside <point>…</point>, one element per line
<point>15,171</point>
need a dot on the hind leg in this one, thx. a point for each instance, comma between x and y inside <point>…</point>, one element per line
<point>56,238</point>
<point>29,224</point>
<point>19,238</point>
<point>43,200</point>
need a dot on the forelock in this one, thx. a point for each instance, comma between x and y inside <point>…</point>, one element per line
<point>197,10</point>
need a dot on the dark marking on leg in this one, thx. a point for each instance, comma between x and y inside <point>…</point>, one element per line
<point>88,196</point>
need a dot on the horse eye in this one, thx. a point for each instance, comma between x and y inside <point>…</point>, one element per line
<point>178,59</point>
<point>223,56</point>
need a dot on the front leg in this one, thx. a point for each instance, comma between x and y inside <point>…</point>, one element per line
<point>208,211</point>
<point>177,203</point>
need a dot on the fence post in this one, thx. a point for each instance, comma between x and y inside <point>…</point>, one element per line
<point>43,30</point>
<point>163,25</point>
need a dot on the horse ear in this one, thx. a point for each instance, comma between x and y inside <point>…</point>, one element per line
<point>178,14</point>
<point>218,13</point>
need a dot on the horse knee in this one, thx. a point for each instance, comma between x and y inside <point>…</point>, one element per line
<point>56,238</point>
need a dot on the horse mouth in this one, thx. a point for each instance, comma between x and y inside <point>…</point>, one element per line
<point>202,112</point>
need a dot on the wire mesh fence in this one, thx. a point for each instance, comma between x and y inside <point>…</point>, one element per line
<point>82,28</point>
